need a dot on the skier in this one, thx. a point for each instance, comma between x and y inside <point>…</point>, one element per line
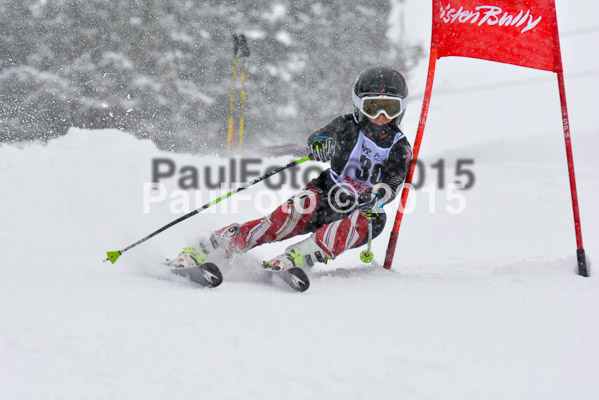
<point>369,158</point>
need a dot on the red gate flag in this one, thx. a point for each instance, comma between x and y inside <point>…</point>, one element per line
<point>519,32</point>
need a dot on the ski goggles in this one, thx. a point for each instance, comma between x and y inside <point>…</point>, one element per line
<point>373,106</point>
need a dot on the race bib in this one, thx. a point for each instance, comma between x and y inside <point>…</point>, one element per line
<point>364,168</point>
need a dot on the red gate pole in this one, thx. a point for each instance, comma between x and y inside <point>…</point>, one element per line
<point>580,255</point>
<point>406,188</point>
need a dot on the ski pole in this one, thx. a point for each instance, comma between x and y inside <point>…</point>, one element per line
<point>114,255</point>
<point>367,255</point>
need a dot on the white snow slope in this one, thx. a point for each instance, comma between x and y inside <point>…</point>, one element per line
<point>484,304</point>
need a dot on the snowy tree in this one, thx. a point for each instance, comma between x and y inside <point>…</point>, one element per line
<point>162,69</point>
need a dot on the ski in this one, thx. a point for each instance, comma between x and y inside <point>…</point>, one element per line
<point>295,277</point>
<point>206,274</point>
<point>209,275</point>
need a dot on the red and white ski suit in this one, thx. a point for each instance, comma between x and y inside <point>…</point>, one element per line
<point>366,155</point>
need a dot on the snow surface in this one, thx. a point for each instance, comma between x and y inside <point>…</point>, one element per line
<point>483,304</point>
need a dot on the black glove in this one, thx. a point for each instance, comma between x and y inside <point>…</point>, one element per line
<point>323,148</point>
<point>367,201</point>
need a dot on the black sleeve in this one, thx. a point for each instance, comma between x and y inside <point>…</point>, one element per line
<point>332,130</point>
<point>345,131</point>
<point>397,167</point>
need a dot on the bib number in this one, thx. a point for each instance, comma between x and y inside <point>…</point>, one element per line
<point>364,172</point>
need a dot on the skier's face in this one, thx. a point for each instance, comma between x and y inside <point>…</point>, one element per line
<point>380,120</point>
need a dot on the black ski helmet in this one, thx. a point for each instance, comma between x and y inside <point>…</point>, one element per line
<point>380,80</point>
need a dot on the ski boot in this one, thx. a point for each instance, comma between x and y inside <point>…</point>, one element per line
<point>192,263</point>
<point>290,264</point>
<point>190,257</point>
<point>303,254</point>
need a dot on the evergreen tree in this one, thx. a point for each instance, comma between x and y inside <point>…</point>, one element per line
<point>162,68</point>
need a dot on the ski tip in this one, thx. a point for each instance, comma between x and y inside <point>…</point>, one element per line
<point>113,256</point>
<point>211,275</point>
<point>297,279</point>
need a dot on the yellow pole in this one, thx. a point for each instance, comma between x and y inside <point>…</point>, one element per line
<point>241,120</point>
<point>232,101</point>
<point>231,106</point>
